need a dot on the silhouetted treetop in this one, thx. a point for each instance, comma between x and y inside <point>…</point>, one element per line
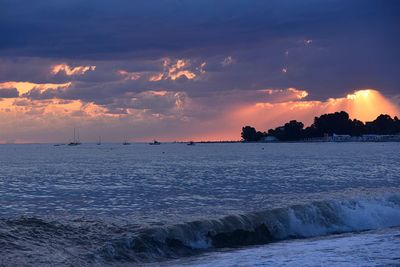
<point>250,134</point>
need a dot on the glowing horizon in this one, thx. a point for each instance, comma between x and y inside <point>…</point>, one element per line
<point>57,115</point>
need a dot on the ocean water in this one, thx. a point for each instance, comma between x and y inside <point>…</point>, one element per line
<point>313,204</point>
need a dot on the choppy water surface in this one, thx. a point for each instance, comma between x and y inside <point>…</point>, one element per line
<point>114,204</point>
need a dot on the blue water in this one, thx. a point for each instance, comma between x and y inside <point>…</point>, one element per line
<point>114,204</point>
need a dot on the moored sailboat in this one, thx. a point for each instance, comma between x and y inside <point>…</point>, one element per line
<point>75,141</point>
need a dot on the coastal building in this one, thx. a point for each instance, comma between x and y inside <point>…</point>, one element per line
<point>380,138</point>
<point>340,138</point>
<point>349,138</point>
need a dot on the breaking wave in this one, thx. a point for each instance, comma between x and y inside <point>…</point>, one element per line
<point>300,221</point>
<point>107,244</point>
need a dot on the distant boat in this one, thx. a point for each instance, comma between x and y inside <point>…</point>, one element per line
<point>75,141</point>
<point>191,143</point>
<point>99,141</point>
<point>155,142</point>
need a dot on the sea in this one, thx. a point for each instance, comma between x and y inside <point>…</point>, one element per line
<point>211,204</point>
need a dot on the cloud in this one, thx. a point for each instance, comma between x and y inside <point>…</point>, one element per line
<point>70,71</point>
<point>178,69</point>
<point>8,92</point>
<point>129,75</point>
<point>159,103</point>
<point>227,61</point>
<point>289,93</point>
<point>137,28</point>
<point>26,87</point>
<point>308,41</point>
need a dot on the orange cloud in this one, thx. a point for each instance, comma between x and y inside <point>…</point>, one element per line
<point>70,71</point>
<point>24,87</point>
<point>129,75</point>
<point>282,95</point>
<point>174,71</point>
<point>156,77</point>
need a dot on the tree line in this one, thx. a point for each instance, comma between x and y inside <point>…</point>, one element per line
<point>327,124</point>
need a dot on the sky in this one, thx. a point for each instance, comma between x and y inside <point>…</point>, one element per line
<point>176,70</point>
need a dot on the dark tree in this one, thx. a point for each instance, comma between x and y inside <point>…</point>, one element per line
<point>333,123</point>
<point>384,124</point>
<point>396,125</point>
<point>357,128</point>
<point>249,134</point>
<point>293,130</point>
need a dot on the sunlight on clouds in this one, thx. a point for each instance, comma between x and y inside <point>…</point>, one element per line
<point>178,69</point>
<point>156,77</point>
<point>133,76</point>
<point>285,94</point>
<point>361,94</point>
<point>364,105</point>
<point>157,93</point>
<point>188,74</point>
<point>56,107</point>
<point>300,94</point>
<point>25,87</point>
<point>69,71</point>
<point>367,104</point>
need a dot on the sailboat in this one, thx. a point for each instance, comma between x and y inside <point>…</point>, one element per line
<point>99,141</point>
<point>75,141</point>
<point>125,143</point>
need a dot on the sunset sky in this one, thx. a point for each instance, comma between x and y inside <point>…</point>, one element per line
<point>190,69</point>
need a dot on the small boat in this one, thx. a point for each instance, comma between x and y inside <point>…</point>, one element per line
<point>75,141</point>
<point>155,142</point>
<point>191,143</point>
<point>58,144</point>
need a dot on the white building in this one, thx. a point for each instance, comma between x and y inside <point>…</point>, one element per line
<point>341,138</point>
<point>270,139</point>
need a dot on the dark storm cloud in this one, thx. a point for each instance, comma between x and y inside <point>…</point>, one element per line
<point>355,44</point>
<point>100,28</point>
<point>8,93</point>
